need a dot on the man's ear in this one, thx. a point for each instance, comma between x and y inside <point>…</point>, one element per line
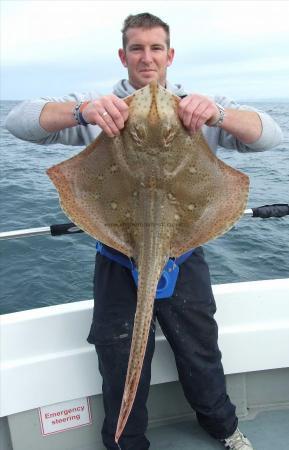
<point>122,57</point>
<point>171,54</point>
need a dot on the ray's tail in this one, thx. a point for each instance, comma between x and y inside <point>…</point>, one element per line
<point>150,264</point>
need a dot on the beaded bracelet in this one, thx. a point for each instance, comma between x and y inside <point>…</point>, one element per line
<point>77,113</point>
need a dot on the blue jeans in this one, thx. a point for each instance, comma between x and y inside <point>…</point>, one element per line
<point>187,321</point>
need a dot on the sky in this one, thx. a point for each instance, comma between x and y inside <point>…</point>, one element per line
<point>230,47</point>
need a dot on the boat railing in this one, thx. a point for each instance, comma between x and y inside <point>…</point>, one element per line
<point>45,350</point>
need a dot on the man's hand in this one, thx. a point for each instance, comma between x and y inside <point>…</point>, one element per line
<point>196,110</point>
<point>108,112</point>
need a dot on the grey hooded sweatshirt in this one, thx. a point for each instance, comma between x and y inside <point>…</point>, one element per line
<point>23,122</point>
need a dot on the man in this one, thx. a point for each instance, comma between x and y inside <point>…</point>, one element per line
<point>146,54</point>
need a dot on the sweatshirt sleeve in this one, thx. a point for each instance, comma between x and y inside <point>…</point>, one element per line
<point>23,122</point>
<point>271,135</point>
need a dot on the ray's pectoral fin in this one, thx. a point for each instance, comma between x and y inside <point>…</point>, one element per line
<point>210,198</point>
<point>94,193</point>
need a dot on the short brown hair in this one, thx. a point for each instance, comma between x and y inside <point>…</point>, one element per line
<point>144,20</point>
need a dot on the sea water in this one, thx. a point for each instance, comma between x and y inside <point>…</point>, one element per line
<point>44,270</point>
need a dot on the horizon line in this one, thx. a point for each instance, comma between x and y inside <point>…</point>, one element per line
<point>248,99</point>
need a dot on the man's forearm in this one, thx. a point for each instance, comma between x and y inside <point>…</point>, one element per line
<point>57,116</point>
<point>246,126</point>
<point>108,112</point>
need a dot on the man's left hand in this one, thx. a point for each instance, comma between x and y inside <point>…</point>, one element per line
<point>196,110</point>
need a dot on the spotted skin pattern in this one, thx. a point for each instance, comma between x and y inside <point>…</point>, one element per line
<point>152,192</point>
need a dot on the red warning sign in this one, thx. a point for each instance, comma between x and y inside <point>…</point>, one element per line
<point>65,416</point>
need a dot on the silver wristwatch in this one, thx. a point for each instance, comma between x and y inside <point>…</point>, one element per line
<point>221,118</point>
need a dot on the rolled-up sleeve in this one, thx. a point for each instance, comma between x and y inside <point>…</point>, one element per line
<point>23,121</point>
<point>271,134</point>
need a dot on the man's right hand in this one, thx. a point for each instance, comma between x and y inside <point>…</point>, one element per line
<point>108,112</point>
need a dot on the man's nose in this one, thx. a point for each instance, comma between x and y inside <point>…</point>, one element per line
<point>147,56</point>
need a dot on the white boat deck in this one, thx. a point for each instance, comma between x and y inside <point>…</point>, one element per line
<point>268,430</point>
<point>45,359</point>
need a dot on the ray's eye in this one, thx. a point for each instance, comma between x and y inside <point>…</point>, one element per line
<point>138,134</point>
<point>168,136</point>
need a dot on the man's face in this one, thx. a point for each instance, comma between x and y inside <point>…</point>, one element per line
<point>146,56</point>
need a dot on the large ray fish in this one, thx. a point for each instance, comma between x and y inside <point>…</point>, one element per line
<point>152,193</point>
